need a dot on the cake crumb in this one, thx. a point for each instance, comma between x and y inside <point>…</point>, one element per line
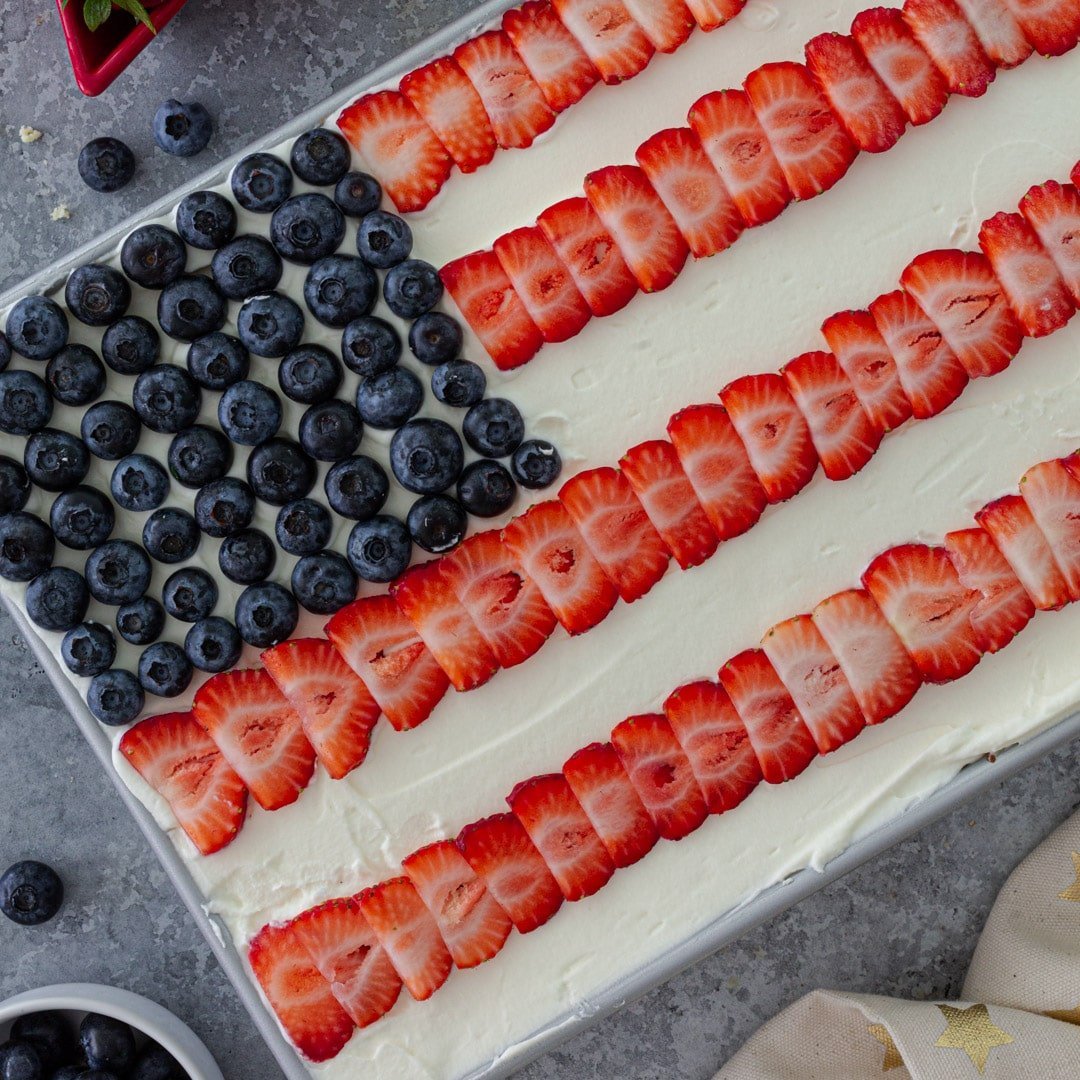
<point>28,134</point>
<point>60,213</point>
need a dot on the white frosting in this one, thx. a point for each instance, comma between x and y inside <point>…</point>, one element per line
<point>747,310</point>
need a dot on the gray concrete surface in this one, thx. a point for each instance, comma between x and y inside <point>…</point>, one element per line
<point>903,925</point>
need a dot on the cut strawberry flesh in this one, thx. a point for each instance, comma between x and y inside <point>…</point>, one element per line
<point>1052,26</point>
<point>945,34</point>
<point>1053,210</point>
<point>608,34</point>
<point>711,14</point>
<point>997,30</point>
<point>667,23</point>
<point>1052,494</point>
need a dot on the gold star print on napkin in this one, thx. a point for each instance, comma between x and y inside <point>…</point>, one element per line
<point>972,1031</point>
<point>892,1060</point>
<point>1073,891</point>
<point>1067,1016</point>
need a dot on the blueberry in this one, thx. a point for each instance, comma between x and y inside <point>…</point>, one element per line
<point>25,404</point>
<point>383,239</point>
<point>5,352</point>
<point>115,697</point>
<point>164,669</point>
<point>266,614</point>
<point>536,464</point>
<point>156,1063</point>
<point>75,375</point>
<point>170,535</point>
<point>340,288</point>
<point>309,374</point>
<point>190,307</point>
<point>182,128</point>
<point>247,556</point>
<point>224,506</point>
<point>412,288</point>
<point>49,1034</point>
<point>131,345</point>
<point>370,345</point>
<point>324,583</point>
<point>30,892</point>
<point>330,431</point>
<point>261,183</point>
<point>189,594</point>
<point>437,523</point>
<point>26,546</point>
<point>141,621</point>
<point>246,266</point>
<point>106,164</point>
<point>435,338</point>
<point>494,427</point>
<point>270,325</point>
<point>320,157</point>
<point>117,572</point>
<point>249,413</point>
<point>379,549</point>
<point>20,1060</point>
<point>213,644</point>
<point>153,256</point>
<point>72,1072</point>
<point>390,398</point>
<point>55,460</point>
<point>107,1043</point>
<point>37,328</point>
<point>206,220</point>
<point>88,649</point>
<point>166,398</point>
<point>82,518</point>
<point>139,483</point>
<point>426,456</point>
<point>357,487</point>
<point>14,485</point>
<point>110,429</point>
<point>199,455</point>
<point>357,194</point>
<point>486,488</point>
<point>279,471</point>
<point>217,361</point>
<point>57,599</point>
<point>458,383</point>
<point>97,294</point>
<point>307,228</point>
<point>303,527</point>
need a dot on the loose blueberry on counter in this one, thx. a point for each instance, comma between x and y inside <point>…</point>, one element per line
<point>170,535</point>
<point>390,398</point>
<point>309,374</point>
<point>75,376</point>
<point>164,669</point>
<point>131,345</point>
<point>494,427</point>
<point>206,220</point>
<point>437,523</point>
<point>48,1032</point>
<point>330,431</point>
<point>249,413</point>
<point>247,556</point>
<point>141,621</point>
<point>270,325</point>
<point>279,471</point>
<point>486,488</point>
<point>182,128</point>
<point>266,614</point>
<point>14,485</point>
<point>246,266</point>
<point>435,338</point>
<point>324,583</point>
<point>118,572</point>
<point>20,1061</point>
<point>261,182</point>
<point>426,456</point>
<point>55,460</point>
<point>536,464</point>
<point>166,398</point>
<point>156,1063</point>
<point>224,506</point>
<point>357,487</point>
<point>217,361</point>
<point>379,550</point>
<point>37,328</point>
<point>57,599</point>
<point>26,546</point>
<point>412,288</point>
<point>370,345</point>
<point>31,893</point>
<point>82,518</point>
<point>153,256</point>
<point>139,483</point>
<point>199,455</point>
<point>110,429</point>
<point>97,294</point>
<point>88,649</point>
<point>357,194</point>
<point>107,1043</point>
<point>307,228</point>
<point>320,157</point>
<point>303,527</point>
<point>383,239</point>
<point>458,383</point>
<point>191,307</point>
<point>106,164</point>
<point>213,644</point>
<point>189,594</point>
<point>25,403</point>
<point>5,352</point>
<point>340,288</point>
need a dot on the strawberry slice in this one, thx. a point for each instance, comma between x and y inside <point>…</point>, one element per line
<point>611,803</point>
<point>638,221</point>
<point>1018,537</point>
<point>555,60</point>
<point>919,592</point>
<point>554,555</point>
<point>1052,26</point>
<point>881,674</point>
<point>691,189</point>
<point>335,708</point>
<point>815,680</point>
<point>505,604</point>
<point>487,301</point>
<point>451,107</point>
<point>382,647</point>
<point>735,143</point>
<point>997,30</point>
<point>1053,211</point>
<point>808,140</point>
<point>711,14</point>
<point>1027,273</point>
<point>616,529</point>
<point>781,740</point>
<point>661,774</point>
<point>615,44</point>
<point>406,930</point>
<point>180,762</point>
<point>715,742</point>
<point>343,947</point>
<point>544,284</point>
<point>861,351</point>
<point>774,432</point>
<point>901,63</point>
<point>258,733</point>
<point>299,995</point>
<point>1004,608</point>
<point>843,435</point>
<point>931,375</point>
<point>872,117</point>
<point>716,464</point>
<point>397,148</point>
<point>515,105</point>
<point>556,824</point>
<point>471,923</point>
<point>499,850</point>
<point>667,23</point>
<point>941,29</point>
<point>1052,494</point>
<point>662,488</point>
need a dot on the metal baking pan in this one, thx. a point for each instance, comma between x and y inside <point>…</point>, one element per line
<point>968,783</point>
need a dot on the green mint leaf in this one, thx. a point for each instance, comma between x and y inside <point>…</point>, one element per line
<point>135,9</point>
<point>95,12</point>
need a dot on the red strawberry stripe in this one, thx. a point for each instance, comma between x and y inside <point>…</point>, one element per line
<point>709,14</point>
<point>1053,211</point>
<point>997,30</point>
<point>1052,494</point>
<point>608,34</point>
<point>1052,26</point>
<point>667,23</point>
<point>946,35</point>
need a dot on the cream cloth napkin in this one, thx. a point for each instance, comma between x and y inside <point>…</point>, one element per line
<point>1018,1019</point>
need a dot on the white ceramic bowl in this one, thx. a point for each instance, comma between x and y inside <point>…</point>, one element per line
<point>142,1014</point>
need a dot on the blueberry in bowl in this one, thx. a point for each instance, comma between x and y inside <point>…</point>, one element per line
<point>246,266</point>
<point>131,345</point>
<point>97,294</point>
<point>217,361</point>
<point>320,157</point>
<point>36,328</point>
<point>270,325</point>
<point>206,220</point>
<point>153,256</point>
<point>106,164</point>
<point>75,376</point>
<point>191,307</point>
<point>261,182</point>
<point>307,227</point>
<point>182,128</point>
<point>340,288</point>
